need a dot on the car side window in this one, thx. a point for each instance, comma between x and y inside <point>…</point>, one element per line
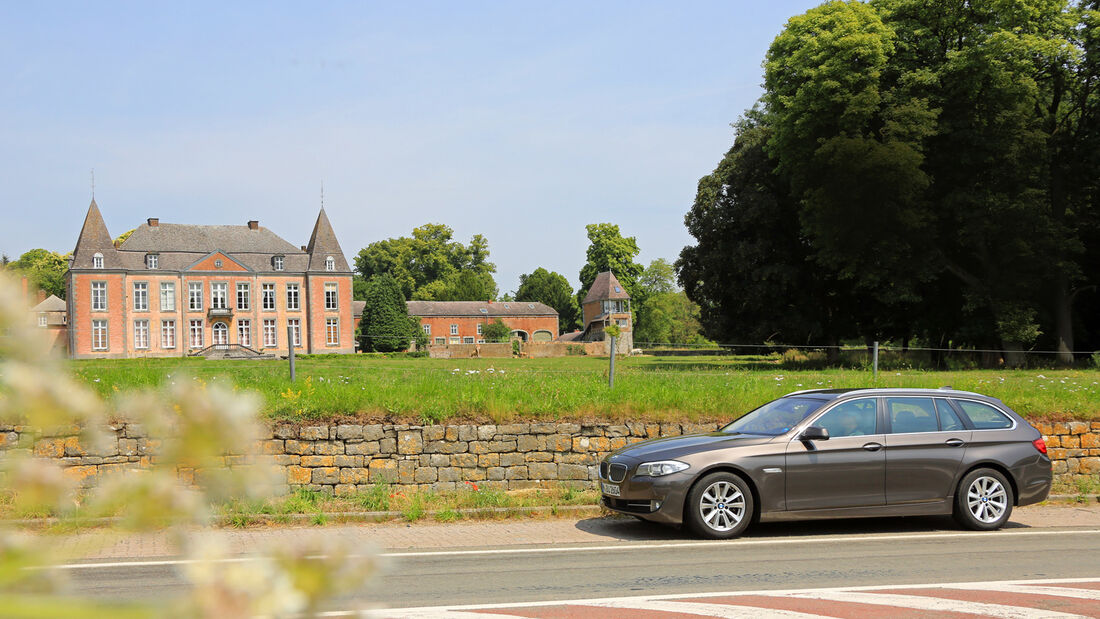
<point>949,419</point>
<point>855,418</point>
<point>984,416</point>
<point>911,415</point>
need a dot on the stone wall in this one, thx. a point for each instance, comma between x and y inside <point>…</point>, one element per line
<point>344,458</point>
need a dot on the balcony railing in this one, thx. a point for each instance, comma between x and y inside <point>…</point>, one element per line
<point>221,311</point>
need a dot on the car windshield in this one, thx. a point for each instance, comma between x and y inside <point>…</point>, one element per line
<point>775,418</point>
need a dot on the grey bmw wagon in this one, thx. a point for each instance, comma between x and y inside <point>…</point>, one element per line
<point>837,453</point>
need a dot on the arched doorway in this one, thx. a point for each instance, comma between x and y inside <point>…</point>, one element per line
<point>221,335</point>
<point>542,335</point>
<point>520,335</point>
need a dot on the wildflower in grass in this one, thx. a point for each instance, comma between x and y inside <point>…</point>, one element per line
<point>472,485</point>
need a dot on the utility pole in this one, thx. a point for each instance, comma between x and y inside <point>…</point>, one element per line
<point>874,360</point>
<point>290,347</point>
<point>611,372</point>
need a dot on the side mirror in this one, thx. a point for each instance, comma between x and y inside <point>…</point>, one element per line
<point>814,433</point>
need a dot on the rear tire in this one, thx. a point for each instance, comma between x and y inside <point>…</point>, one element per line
<point>983,500</point>
<point>719,506</point>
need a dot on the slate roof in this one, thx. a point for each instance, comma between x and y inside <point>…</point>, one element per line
<point>205,239</point>
<point>94,239</point>
<point>323,243</point>
<point>474,308</point>
<point>357,308</point>
<point>51,304</point>
<point>606,287</point>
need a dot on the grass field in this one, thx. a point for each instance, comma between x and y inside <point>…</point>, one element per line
<point>646,388</point>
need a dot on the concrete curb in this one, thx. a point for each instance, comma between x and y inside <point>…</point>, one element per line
<point>392,516</point>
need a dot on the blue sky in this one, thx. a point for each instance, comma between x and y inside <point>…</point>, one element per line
<point>519,121</point>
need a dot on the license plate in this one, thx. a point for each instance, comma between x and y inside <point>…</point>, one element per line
<point>609,489</point>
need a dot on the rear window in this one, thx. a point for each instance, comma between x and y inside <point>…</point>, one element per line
<point>911,415</point>
<point>984,416</point>
<point>949,420</point>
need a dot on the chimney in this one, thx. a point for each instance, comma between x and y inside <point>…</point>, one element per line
<point>24,281</point>
<point>154,222</point>
<point>253,225</point>
<point>41,296</point>
<point>303,248</point>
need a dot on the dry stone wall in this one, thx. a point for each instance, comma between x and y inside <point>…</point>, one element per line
<point>345,458</point>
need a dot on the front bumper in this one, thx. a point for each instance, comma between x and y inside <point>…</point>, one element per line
<point>659,499</point>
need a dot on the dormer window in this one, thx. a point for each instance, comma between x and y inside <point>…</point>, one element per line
<point>151,261</point>
<point>277,263</point>
<point>97,261</point>
<point>330,264</point>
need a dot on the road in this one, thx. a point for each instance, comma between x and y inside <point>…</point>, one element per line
<point>625,558</point>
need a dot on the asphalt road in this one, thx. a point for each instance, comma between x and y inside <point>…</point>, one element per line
<point>643,559</point>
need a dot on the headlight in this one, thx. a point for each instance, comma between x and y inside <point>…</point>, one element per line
<point>656,469</point>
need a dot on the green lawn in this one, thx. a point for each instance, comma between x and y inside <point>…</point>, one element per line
<point>646,388</point>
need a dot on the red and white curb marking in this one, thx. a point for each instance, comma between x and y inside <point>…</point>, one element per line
<point>1009,599</point>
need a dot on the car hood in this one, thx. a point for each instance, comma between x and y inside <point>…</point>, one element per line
<point>676,446</point>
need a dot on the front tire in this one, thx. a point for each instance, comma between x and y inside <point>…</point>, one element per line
<point>719,506</point>
<point>983,500</point>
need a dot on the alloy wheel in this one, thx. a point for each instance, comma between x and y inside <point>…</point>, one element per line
<point>986,498</point>
<point>722,506</point>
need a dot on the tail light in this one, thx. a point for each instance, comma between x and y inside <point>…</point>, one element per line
<point>1040,444</point>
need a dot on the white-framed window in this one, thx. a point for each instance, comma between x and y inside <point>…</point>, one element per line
<point>623,322</point>
<point>479,327</point>
<point>330,263</point>
<point>277,263</point>
<point>195,334</point>
<point>244,296</point>
<point>455,340</point>
<point>99,335</point>
<point>332,331</point>
<point>194,296</point>
<point>219,295</point>
<point>244,333</point>
<point>293,297</point>
<point>42,322</point>
<point>481,341</point>
<point>141,334</point>
<point>468,340</point>
<point>267,294</point>
<point>271,337</point>
<point>454,329</point>
<point>97,262</point>
<point>168,334</point>
<point>99,296</point>
<point>295,325</point>
<point>151,261</point>
<point>331,297</point>
<point>168,296</point>
<point>427,329</point>
<point>141,296</point>
<point>440,340</point>
<point>219,334</point>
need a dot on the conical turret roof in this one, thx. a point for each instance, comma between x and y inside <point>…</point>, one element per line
<point>606,287</point>
<point>323,243</point>
<point>94,239</point>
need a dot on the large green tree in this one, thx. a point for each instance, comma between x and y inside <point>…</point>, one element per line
<point>553,289</point>
<point>386,325</point>
<point>44,269</point>
<point>609,250</point>
<point>429,265</point>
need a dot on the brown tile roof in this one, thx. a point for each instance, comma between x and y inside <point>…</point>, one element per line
<point>94,239</point>
<point>323,243</point>
<point>51,304</point>
<point>474,308</point>
<point>605,287</point>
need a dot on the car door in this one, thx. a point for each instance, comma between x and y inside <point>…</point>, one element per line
<point>925,443</point>
<point>848,469</point>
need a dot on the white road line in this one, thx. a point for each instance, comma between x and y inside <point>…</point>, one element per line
<point>428,614</point>
<point>708,610</point>
<point>1083,594</point>
<point>767,592</point>
<point>938,604</point>
<point>732,544</point>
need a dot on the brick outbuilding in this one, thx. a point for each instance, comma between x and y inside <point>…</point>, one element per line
<point>461,322</point>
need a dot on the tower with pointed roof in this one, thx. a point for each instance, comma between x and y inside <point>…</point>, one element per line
<point>606,303</point>
<point>219,291</point>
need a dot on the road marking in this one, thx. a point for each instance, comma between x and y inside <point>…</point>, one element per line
<point>707,610</point>
<point>937,604</point>
<point>419,611</point>
<point>732,544</point>
<point>1084,594</point>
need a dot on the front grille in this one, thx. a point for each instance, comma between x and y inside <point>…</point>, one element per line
<point>613,471</point>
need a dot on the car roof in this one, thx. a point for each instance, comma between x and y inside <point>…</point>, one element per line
<point>831,394</point>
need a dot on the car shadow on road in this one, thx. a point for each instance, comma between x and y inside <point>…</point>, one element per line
<point>632,529</point>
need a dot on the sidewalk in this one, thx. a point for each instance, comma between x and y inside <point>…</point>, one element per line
<point>430,535</point>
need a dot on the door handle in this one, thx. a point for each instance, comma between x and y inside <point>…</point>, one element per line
<point>955,442</point>
<point>873,446</point>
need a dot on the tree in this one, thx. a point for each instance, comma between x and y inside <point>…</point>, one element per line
<point>386,325</point>
<point>658,277</point>
<point>609,250</point>
<point>44,269</point>
<point>553,289</point>
<point>669,318</point>
<point>427,264</point>
<point>496,331</point>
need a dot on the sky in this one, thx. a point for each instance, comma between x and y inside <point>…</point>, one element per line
<point>520,121</point>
